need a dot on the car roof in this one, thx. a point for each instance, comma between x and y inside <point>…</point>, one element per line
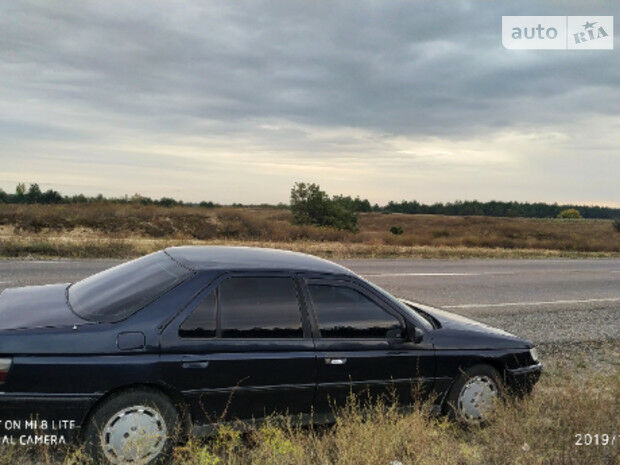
<point>200,258</point>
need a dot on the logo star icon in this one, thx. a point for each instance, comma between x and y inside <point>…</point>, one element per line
<point>589,25</point>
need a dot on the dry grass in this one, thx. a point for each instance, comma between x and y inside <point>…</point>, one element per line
<point>107,230</point>
<point>539,429</point>
<point>479,231</point>
<point>71,247</point>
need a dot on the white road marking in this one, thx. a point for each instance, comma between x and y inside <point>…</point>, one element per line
<point>486,273</point>
<point>421,274</point>
<point>581,270</point>
<point>376,275</point>
<point>521,304</point>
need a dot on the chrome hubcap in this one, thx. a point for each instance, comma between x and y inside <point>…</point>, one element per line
<point>476,398</point>
<point>135,435</point>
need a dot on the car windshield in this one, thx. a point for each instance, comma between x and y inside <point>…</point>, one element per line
<point>119,292</point>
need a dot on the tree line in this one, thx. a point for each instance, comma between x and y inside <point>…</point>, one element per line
<point>498,208</point>
<point>34,195</point>
<point>333,208</point>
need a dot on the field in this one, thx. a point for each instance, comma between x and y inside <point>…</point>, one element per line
<point>577,395</point>
<point>127,230</point>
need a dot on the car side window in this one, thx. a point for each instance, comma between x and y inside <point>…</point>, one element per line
<point>248,307</point>
<point>343,312</point>
<point>202,322</point>
<point>263,307</point>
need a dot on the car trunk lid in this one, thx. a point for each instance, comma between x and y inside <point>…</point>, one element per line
<point>34,307</point>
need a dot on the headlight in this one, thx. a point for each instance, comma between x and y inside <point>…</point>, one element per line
<point>534,354</point>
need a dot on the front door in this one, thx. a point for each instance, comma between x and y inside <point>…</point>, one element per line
<point>245,350</point>
<point>362,347</point>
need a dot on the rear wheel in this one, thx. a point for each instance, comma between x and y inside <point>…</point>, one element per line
<point>133,427</point>
<point>473,395</point>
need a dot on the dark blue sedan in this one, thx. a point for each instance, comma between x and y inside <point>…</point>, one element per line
<point>131,359</point>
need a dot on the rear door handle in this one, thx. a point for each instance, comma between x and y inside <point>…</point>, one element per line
<point>335,361</point>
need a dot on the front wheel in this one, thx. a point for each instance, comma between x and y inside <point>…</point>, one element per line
<point>473,395</point>
<point>132,427</point>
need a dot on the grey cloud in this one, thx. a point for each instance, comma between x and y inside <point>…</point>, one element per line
<point>391,66</point>
<point>180,69</point>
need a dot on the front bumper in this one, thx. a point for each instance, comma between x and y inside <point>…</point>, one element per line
<point>522,379</point>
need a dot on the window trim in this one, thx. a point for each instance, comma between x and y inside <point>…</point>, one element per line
<point>342,281</point>
<point>214,287</point>
<point>193,306</point>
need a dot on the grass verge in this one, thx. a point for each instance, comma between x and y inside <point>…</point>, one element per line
<point>72,247</point>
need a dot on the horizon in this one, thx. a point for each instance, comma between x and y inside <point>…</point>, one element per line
<point>286,203</point>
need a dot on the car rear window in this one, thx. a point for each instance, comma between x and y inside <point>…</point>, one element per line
<point>248,307</point>
<point>259,308</point>
<point>119,292</point>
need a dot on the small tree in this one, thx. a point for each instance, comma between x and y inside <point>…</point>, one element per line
<point>396,230</point>
<point>616,224</point>
<point>51,196</point>
<point>34,193</point>
<point>570,213</point>
<point>311,205</point>
<point>20,192</point>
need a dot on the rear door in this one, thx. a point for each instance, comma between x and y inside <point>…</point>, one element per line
<point>362,346</point>
<point>244,350</point>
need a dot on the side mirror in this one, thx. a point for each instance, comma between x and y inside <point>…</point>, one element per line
<point>414,333</point>
<point>395,333</point>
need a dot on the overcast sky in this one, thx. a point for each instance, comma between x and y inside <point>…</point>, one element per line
<point>234,101</point>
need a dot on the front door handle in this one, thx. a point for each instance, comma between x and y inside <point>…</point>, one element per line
<point>335,361</point>
<point>197,364</point>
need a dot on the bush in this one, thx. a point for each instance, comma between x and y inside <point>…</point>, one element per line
<point>617,224</point>
<point>167,202</point>
<point>396,230</point>
<point>570,213</point>
<point>311,205</point>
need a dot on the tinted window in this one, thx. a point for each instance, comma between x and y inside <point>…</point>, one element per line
<point>344,312</point>
<point>259,307</point>
<point>119,292</point>
<point>420,319</point>
<point>201,323</point>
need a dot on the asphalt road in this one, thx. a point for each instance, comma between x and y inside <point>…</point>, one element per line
<point>547,301</point>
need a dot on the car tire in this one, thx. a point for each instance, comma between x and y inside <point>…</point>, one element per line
<point>473,394</point>
<point>135,426</point>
